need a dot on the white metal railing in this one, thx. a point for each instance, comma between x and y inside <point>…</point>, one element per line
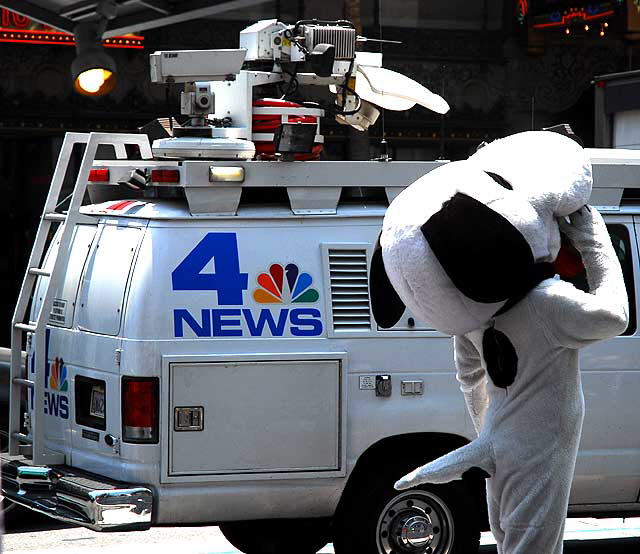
<point>20,376</point>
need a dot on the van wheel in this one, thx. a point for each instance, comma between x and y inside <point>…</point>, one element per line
<point>277,536</point>
<point>430,519</point>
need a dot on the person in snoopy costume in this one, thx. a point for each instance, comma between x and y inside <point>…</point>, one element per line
<point>468,248</point>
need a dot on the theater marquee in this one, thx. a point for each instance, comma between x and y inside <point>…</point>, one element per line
<point>18,28</point>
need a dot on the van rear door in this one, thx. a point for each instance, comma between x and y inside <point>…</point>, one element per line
<point>58,382</point>
<point>98,319</point>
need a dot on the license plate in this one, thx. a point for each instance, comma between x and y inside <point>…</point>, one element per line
<point>97,402</point>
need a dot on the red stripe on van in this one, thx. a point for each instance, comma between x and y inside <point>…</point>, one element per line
<point>120,205</point>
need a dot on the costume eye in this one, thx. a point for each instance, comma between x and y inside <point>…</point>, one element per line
<point>500,180</point>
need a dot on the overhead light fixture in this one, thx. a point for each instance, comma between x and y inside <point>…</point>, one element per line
<point>94,71</point>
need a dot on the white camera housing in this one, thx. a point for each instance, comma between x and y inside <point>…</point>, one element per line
<point>197,98</point>
<point>188,66</point>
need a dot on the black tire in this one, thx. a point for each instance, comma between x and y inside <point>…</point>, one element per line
<point>278,536</point>
<point>431,519</point>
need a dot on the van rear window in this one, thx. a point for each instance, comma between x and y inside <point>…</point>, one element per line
<point>101,296</point>
<point>64,298</point>
<point>622,245</point>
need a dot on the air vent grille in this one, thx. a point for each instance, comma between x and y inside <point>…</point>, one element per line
<point>342,38</point>
<point>349,290</point>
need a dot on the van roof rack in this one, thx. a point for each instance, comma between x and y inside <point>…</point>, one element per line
<point>614,171</point>
<point>214,187</point>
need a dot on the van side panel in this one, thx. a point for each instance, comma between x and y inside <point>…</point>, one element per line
<point>255,323</point>
<point>229,294</point>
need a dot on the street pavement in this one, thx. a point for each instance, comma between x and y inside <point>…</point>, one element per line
<point>41,536</point>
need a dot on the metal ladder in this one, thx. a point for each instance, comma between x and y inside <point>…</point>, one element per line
<point>19,377</point>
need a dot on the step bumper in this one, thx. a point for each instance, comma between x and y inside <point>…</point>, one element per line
<point>76,497</point>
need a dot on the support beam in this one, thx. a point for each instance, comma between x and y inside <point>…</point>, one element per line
<point>87,8</point>
<point>155,13</point>
<point>161,6</point>
<point>80,9</point>
<point>184,11</point>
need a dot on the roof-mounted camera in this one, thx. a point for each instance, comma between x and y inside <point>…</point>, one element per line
<point>219,97</point>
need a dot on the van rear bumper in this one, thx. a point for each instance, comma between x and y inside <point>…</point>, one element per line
<point>75,496</point>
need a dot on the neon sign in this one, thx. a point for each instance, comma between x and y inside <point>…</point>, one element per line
<point>18,28</point>
<point>14,20</point>
<point>549,14</point>
<point>557,19</point>
<point>523,8</point>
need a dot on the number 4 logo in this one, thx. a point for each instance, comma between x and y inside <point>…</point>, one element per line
<point>227,280</point>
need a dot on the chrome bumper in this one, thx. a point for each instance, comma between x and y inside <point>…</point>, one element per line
<point>77,497</point>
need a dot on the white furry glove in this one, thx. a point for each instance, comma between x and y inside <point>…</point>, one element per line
<point>578,318</point>
<point>588,233</point>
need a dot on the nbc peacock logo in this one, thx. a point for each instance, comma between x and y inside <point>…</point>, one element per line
<point>285,284</point>
<point>58,378</point>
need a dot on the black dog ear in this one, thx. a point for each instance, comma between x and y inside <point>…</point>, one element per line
<point>386,304</point>
<point>484,255</point>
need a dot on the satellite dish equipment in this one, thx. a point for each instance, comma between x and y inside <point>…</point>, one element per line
<point>311,52</point>
<point>386,101</point>
<point>394,91</point>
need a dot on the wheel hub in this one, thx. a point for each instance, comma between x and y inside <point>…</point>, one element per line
<point>417,531</point>
<point>415,522</point>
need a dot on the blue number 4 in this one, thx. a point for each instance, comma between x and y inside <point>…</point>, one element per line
<point>227,280</point>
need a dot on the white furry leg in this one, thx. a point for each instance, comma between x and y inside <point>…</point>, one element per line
<point>546,539</point>
<point>494,517</point>
<point>534,523</point>
<point>476,454</point>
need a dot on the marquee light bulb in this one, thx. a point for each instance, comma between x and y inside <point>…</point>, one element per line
<point>567,31</point>
<point>92,80</point>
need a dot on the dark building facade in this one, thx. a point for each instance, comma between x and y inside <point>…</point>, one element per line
<point>503,65</point>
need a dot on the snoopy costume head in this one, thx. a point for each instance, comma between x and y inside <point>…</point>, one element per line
<point>470,239</point>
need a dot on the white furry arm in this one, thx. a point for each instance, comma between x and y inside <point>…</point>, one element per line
<point>472,378</point>
<point>580,318</point>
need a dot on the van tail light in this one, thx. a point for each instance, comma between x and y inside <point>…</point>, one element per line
<point>140,399</point>
<point>99,175</point>
<point>165,176</point>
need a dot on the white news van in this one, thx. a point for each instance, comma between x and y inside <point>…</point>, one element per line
<point>203,350</point>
